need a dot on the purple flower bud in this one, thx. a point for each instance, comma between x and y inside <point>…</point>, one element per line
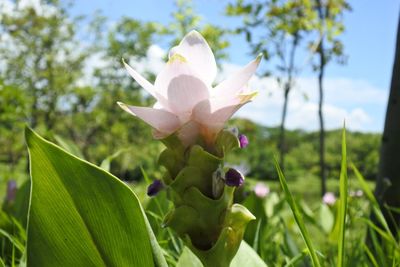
<point>243,141</point>
<point>234,178</point>
<point>155,187</point>
<point>11,190</point>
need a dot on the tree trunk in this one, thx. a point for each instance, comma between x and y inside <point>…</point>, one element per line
<point>321,124</point>
<point>282,146</point>
<point>322,63</point>
<point>288,86</point>
<point>388,179</point>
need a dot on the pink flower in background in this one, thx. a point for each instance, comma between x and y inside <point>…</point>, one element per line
<point>187,103</point>
<point>261,190</point>
<point>329,198</point>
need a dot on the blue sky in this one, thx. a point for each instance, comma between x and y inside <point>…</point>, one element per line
<point>362,83</point>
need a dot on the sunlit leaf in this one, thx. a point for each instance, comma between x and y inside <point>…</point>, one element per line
<point>81,215</point>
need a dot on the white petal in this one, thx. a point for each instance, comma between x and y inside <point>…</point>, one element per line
<point>199,55</point>
<point>140,80</point>
<point>180,86</point>
<point>213,115</point>
<point>231,87</point>
<point>161,120</point>
<point>147,86</point>
<point>184,92</point>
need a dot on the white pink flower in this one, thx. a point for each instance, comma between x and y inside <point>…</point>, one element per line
<point>261,190</point>
<point>187,103</point>
<point>329,198</point>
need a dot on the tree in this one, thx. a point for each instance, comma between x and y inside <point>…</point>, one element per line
<point>42,63</point>
<point>128,39</point>
<point>284,25</point>
<point>388,179</point>
<point>42,57</point>
<point>329,25</point>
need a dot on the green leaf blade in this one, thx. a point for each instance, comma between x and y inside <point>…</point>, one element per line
<point>297,216</point>
<point>81,215</point>
<point>343,202</point>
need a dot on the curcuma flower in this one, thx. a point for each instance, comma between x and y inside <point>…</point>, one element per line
<point>187,103</point>
<point>189,117</point>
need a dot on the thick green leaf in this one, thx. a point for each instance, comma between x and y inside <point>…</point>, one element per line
<point>245,256</point>
<point>81,215</point>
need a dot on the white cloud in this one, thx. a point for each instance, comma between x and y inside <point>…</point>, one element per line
<point>357,102</point>
<point>153,62</point>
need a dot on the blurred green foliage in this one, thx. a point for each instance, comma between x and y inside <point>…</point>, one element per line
<point>302,152</point>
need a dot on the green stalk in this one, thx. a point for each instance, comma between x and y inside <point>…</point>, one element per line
<point>343,202</point>
<point>297,216</point>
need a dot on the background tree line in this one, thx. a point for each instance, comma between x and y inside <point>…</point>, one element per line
<point>44,82</point>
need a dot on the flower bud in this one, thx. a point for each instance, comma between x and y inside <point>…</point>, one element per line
<point>11,190</point>
<point>243,141</point>
<point>234,178</point>
<point>155,187</point>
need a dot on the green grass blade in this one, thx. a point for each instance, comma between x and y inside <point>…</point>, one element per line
<point>343,202</point>
<point>295,260</point>
<point>378,249</point>
<point>370,255</point>
<point>16,243</point>
<point>376,210</point>
<point>297,216</point>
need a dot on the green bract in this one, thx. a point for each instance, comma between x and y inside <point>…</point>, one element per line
<point>211,225</point>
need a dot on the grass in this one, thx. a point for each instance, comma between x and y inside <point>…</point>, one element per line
<point>298,217</point>
<point>342,203</point>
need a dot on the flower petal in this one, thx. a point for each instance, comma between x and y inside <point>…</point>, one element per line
<point>214,119</point>
<point>184,92</point>
<point>180,86</point>
<point>161,120</point>
<point>232,86</point>
<point>147,86</point>
<point>199,55</point>
<point>140,79</point>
